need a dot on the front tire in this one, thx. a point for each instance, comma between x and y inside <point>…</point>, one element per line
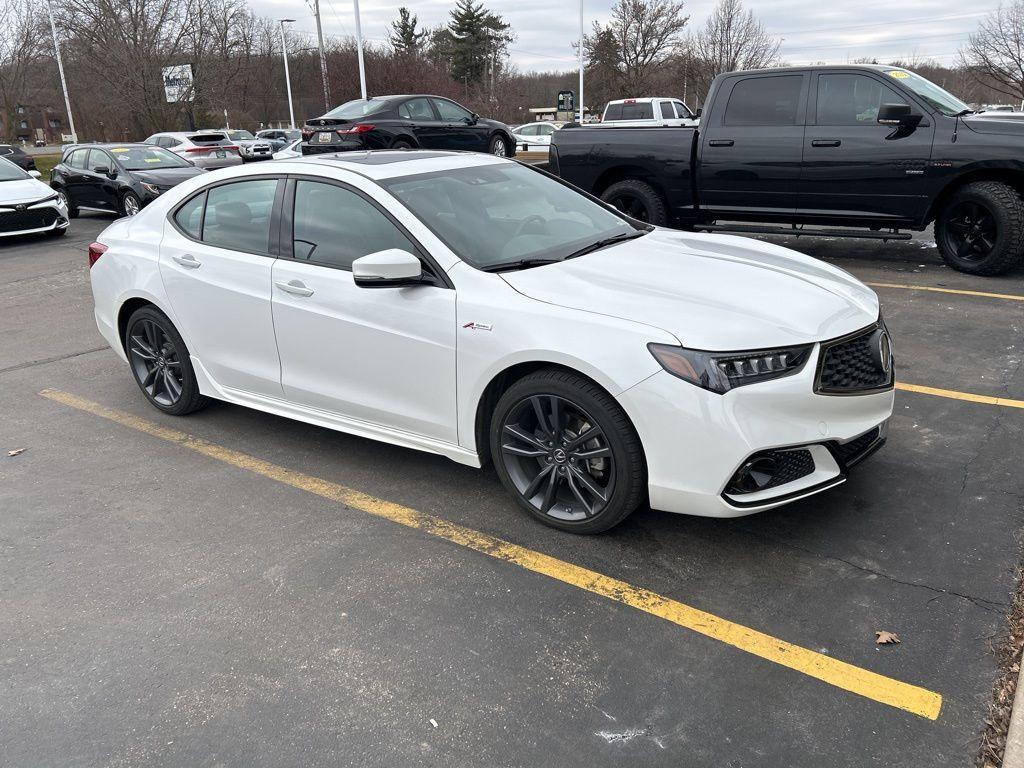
<point>567,452</point>
<point>130,204</point>
<point>161,364</point>
<point>499,147</point>
<point>72,210</point>
<point>980,230</point>
<point>638,200</point>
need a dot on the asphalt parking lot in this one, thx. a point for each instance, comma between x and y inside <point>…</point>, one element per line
<point>227,599</point>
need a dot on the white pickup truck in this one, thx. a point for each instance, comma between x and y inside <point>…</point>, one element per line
<point>650,111</point>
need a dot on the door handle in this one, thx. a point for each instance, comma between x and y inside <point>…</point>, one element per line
<point>188,261</point>
<point>826,142</point>
<point>721,143</point>
<point>294,287</point>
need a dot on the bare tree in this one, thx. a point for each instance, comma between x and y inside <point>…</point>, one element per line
<point>994,55</point>
<point>731,39</point>
<point>20,47</point>
<point>640,39</point>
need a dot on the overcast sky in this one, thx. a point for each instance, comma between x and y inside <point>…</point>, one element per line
<point>810,31</point>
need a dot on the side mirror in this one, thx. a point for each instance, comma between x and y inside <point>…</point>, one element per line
<point>473,118</point>
<point>392,268</point>
<point>899,115</point>
<point>698,112</point>
<point>35,174</point>
<point>105,170</point>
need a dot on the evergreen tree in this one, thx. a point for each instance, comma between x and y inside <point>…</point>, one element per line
<point>405,37</point>
<point>475,42</point>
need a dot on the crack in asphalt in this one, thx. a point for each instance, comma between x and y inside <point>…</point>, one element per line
<point>54,359</point>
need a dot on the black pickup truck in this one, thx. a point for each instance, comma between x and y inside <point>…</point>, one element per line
<point>854,151</point>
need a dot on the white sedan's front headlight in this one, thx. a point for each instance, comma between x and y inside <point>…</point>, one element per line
<point>722,371</point>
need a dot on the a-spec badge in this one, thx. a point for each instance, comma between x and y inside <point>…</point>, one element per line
<point>478,326</point>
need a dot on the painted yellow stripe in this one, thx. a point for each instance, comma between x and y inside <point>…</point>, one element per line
<point>979,294</point>
<point>873,686</point>
<point>954,395</point>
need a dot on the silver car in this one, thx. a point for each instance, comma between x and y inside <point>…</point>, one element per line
<point>205,149</point>
<point>249,146</point>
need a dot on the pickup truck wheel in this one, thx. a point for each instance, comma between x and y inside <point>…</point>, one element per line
<point>637,199</point>
<point>980,231</point>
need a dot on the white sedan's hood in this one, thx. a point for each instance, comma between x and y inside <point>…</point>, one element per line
<point>23,191</point>
<point>713,292</point>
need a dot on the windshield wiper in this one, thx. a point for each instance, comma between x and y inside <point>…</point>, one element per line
<point>605,243</point>
<point>963,112</point>
<point>518,264</point>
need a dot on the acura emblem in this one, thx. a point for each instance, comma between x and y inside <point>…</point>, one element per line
<point>885,351</point>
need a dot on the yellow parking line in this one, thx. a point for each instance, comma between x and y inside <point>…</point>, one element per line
<point>979,294</point>
<point>863,682</point>
<point>954,395</point>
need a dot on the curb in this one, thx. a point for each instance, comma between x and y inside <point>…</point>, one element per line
<point>1013,754</point>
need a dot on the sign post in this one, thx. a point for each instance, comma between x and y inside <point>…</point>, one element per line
<point>567,105</point>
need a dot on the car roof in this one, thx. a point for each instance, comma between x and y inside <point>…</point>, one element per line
<point>391,163</point>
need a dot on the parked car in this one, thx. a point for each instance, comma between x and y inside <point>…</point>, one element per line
<point>209,149</point>
<point>279,138</point>
<point>293,149</point>
<point>27,205</point>
<point>40,143</point>
<point>250,147</point>
<point>856,151</point>
<point>653,110</point>
<point>18,156</point>
<point>123,178</point>
<point>535,137</point>
<point>405,122</point>
<point>499,314</point>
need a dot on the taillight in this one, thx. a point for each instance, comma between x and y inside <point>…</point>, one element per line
<point>95,251</point>
<point>358,128</point>
<point>306,134</point>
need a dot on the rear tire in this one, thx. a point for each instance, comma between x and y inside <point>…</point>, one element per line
<point>638,200</point>
<point>401,144</point>
<point>980,230</point>
<point>156,354</point>
<point>580,486</point>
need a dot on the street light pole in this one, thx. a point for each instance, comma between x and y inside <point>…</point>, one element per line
<point>359,50</point>
<point>581,62</point>
<point>323,56</point>
<point>60,68</point>
<point>287,76</point>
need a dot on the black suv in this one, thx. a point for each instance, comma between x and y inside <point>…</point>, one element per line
<point>17,156</point>
<point>405,122</point>
<point>117,177</point>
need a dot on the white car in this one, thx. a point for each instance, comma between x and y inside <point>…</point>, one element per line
<point>535,137</point>
<point>653,110</point>
<point>204,149</point>
<point>27,205</point>
<point>477,308</point>
<point>292,150</point>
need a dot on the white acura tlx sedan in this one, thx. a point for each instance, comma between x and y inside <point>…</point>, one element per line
<point>477,308</point>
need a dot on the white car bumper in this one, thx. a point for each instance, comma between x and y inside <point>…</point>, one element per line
<point>34,219</point>
<point>695,441</point>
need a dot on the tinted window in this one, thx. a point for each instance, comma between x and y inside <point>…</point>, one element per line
<point>98,159</point>
<point>335,226</point>
<point>416,109</point>
<point>667,113</point>
<point>450,111</point>
<point>190,216</point>
<point>613,112</point>
<point>852,99</point>
<point>358,108</point>
<point>765,101</point>
<point>681,110</point>
<point>238,215</point>
<point>77,159</point>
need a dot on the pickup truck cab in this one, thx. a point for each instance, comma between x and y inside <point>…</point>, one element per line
<point>654,110</point>
<point>857,151</point>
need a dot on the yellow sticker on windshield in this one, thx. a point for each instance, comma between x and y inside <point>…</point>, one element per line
<point>152,159</point>
<point>120,149</point>
<point>899,75</point>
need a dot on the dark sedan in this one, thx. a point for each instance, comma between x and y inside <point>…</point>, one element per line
<point>122,178</point>
<point>17,156</point>
<point>405,122</point>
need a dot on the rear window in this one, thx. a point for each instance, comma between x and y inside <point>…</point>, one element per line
<point>765,101</point>
<point>357,108</point>
<point>207,138</point>
<point>643,111</point>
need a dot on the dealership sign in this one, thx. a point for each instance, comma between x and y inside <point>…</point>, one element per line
<point>177,82</point>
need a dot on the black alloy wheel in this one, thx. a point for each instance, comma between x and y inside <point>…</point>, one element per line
<point>631,205</point>
<point>567,452</point>
<point>638,200</point>
<point>160,363</point>
<point>971,231</point>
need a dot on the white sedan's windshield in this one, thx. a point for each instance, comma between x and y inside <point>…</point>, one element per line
<point>10,172</point>
<point>500,214</point>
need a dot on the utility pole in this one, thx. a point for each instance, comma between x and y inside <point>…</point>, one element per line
<point>359,50</point>
<point>323,56</point>
<point>581,62</point>
<point>60,68</point>
<point>287,77</point>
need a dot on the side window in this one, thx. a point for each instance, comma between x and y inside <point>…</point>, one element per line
<point>451,112</point>
<point>681,110</point>
<point>545,130</point>
<point>167,141</point>
<point>530,130</point>
<point>416,109</point>
<point>150,140</point>
<point>238,215</point>
<point>77,159</point>
<point>190,216</point>
<point>98,159</point>
<point>613,112</point>
<point>667,113</point>
<point>852,99</point>
<point>765,101</point>
<point>335,226</point>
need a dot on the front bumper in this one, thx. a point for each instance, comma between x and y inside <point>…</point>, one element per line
<point>36,219</point>
<point>697,441</point>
